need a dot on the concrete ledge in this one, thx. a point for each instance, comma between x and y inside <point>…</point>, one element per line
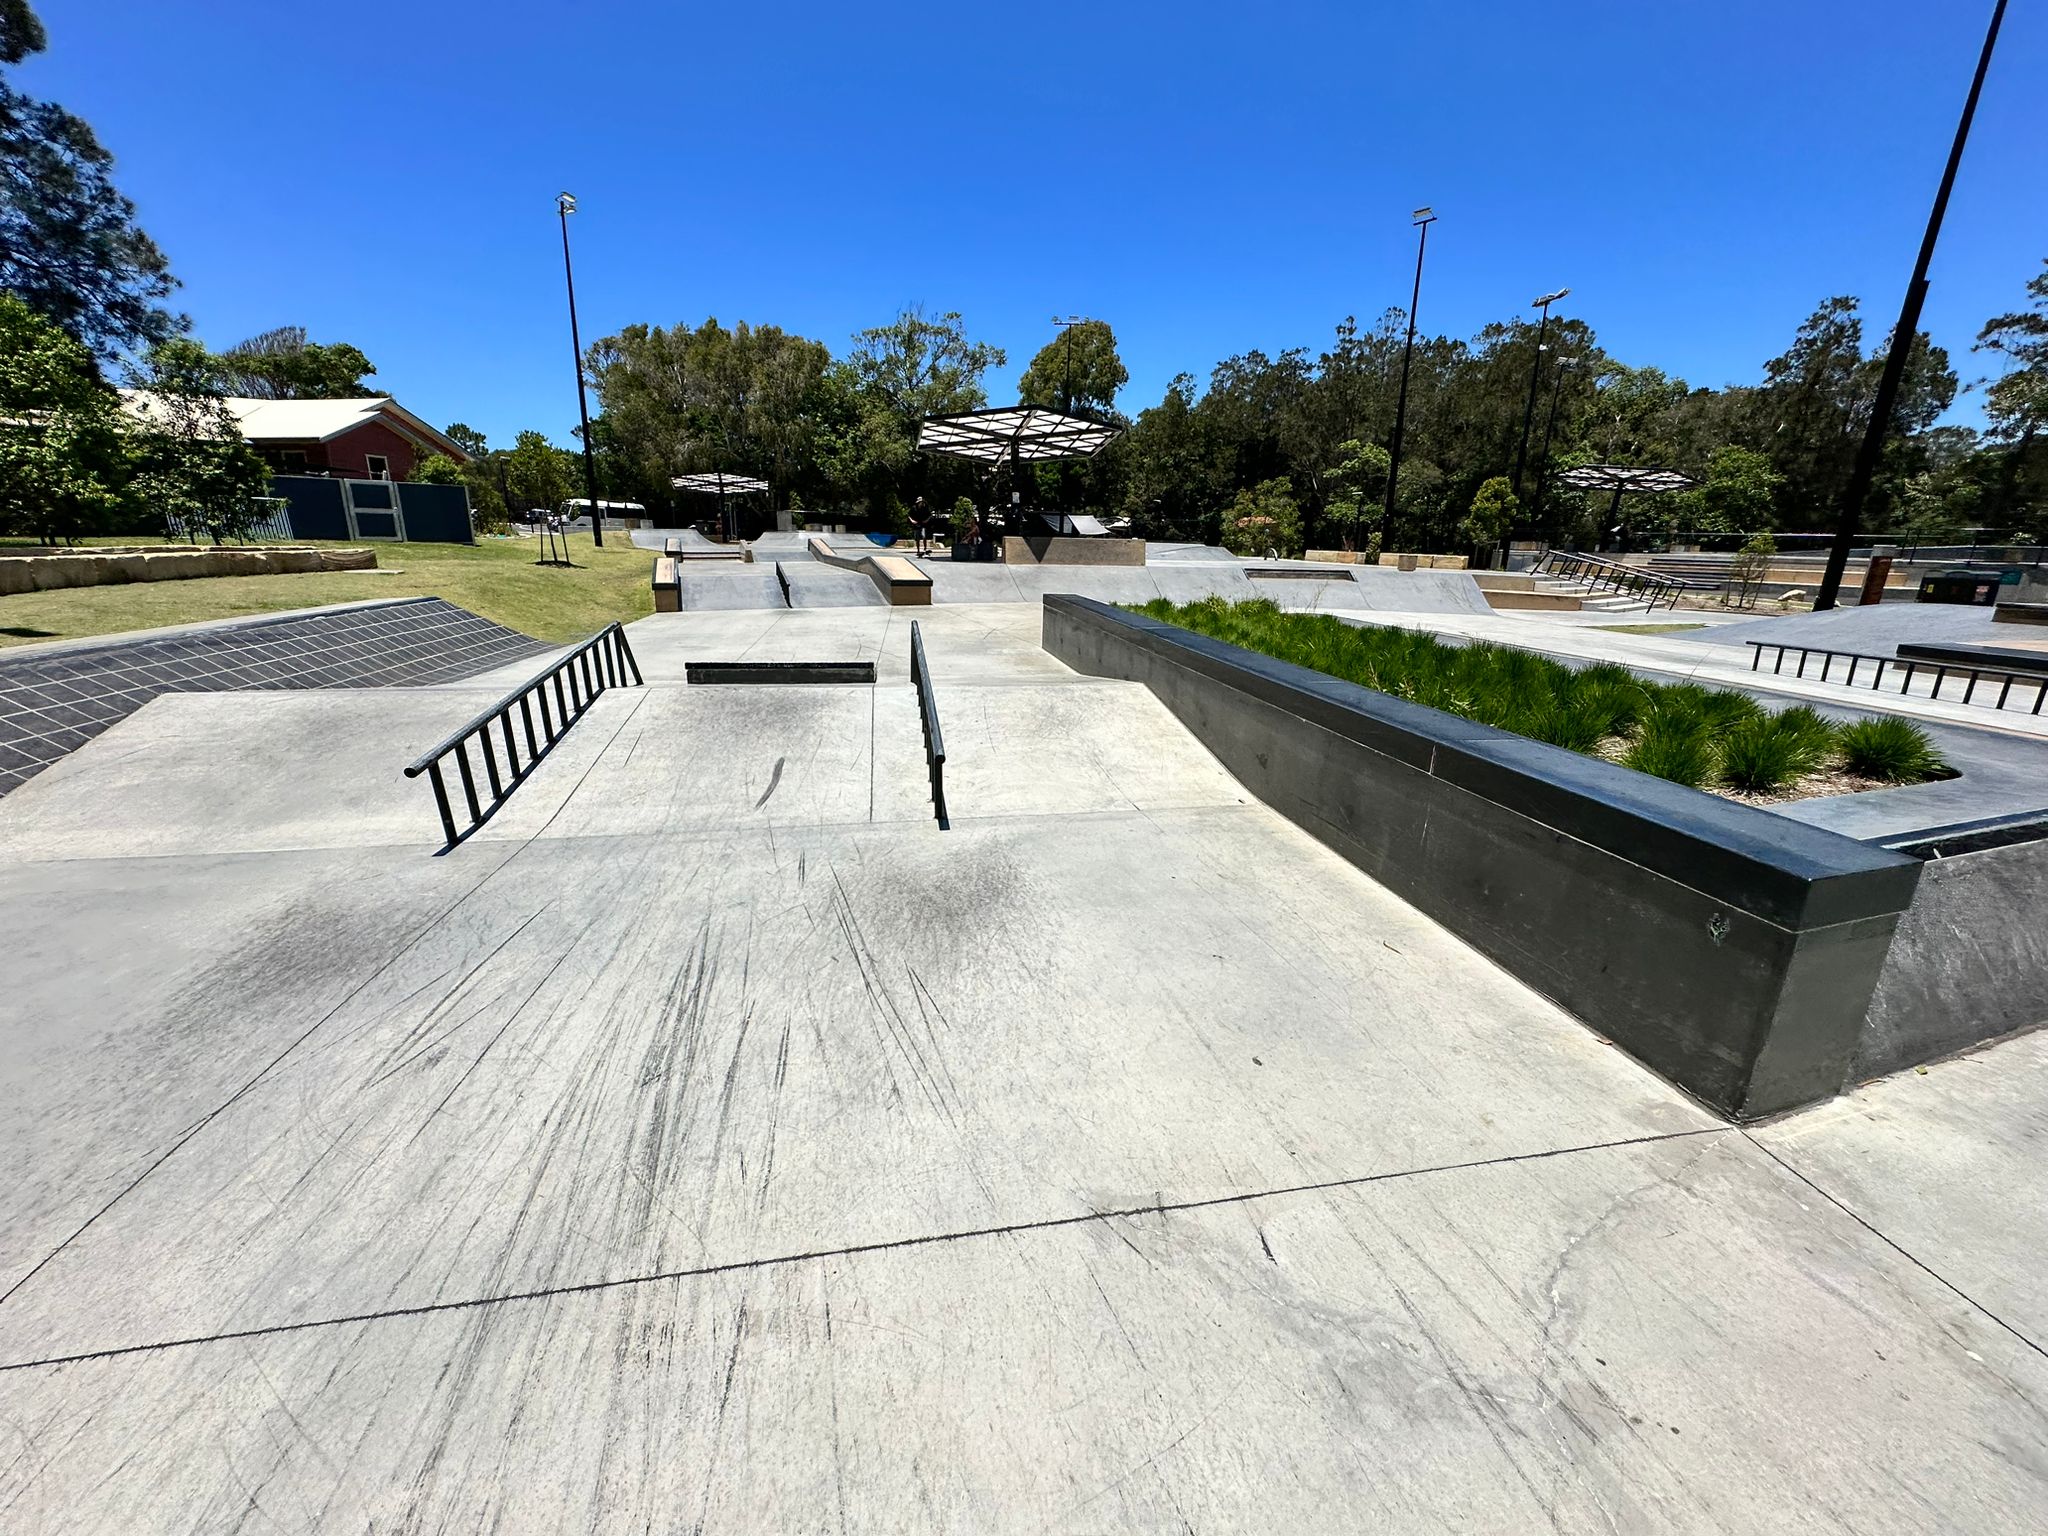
<point>668,585</point>
<point>1058,549</point>
<point>1426,562</point>
<point>1542,602</point>
<point>1734,951</point>
<point>2020,613</point>
<point>779,671</point>
<point>96,568</point>
<point>900,582</point>
<point>1970,961</point>
<point>1993,657</point>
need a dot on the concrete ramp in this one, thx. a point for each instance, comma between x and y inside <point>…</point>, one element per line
<point>725,1145</point>
<point>813,584</point>
<point>714,585</point>
<point>217,773</point>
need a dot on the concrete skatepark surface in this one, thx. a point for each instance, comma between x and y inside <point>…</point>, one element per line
<point>713,1142</point>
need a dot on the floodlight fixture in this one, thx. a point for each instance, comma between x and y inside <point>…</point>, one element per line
<point>1549,299</point>
<point>1424,215</point>
<point>565,202</point>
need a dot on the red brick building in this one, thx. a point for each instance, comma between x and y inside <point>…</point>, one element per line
<point>374,438</point>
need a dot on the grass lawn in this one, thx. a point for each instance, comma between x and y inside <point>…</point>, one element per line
<point>1701,737</point>
<point>496,578</point>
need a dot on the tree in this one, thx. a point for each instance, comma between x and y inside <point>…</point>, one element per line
<point>541,474</point>
<point>282,365</point>
<point>1173,482</point>
<point>1358,488</point>
<point>63,462</point>
<point>897,374</point>
<point>437,469</point>
<point>1493,512</point>
<point>1078,372</point>
<point>1737,495</point>
<point>2016,403</point>
<point>193,468</point>
<point>751,399</point>
<point>69,245</point>
<point>468,439</point>
<point>1262,520</point>
<point>1750,569</point>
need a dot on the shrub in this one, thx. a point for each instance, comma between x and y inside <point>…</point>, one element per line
<point>1613,696</point>
<point>1892,749</point>
<point>1768,752</point>
<point>1816,736</point>
<point>1669,748</point>
<point>1681,732</point>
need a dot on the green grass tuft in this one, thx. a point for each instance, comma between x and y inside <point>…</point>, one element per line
<point>1892,749</point>
<point>1670,747</point>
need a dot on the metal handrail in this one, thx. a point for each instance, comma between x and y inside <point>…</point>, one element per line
<point>1597,571</point>
<point>783,581</point>
<point>1911,667</point>
<point>603,661</point>
<point>928,709</point>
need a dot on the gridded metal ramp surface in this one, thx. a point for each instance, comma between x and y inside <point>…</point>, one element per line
<point>54,701</point>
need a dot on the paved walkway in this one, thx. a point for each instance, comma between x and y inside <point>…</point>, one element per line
<point>714,1143</point>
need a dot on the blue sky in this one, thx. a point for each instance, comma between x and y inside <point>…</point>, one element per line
<point>1208,178</point>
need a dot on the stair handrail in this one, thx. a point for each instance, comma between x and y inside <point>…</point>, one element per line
<point>1616,575</point>
<point>928,711</point>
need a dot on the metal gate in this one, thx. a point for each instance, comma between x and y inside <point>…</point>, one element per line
<point>372,509</point>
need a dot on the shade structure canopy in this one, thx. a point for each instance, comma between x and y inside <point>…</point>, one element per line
<point>1623,477</point>
<point>1016,434</point>
<point>721,483</point>
<point>718,482</point>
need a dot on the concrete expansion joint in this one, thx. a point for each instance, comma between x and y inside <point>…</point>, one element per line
<point>1897,1247</point>
<point>1156,1208</point>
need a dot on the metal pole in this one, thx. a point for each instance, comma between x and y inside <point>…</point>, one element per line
<point>1549,427</point>
<point>1529,407</point>
<point>566,205</point>
<point>1865,469</point>
<point>1423,219</point>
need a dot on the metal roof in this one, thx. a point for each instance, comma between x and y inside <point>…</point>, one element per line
<point>718,480</point>
<point>312,421</point>
<point>1019,433</point>
<point>1623,477</point>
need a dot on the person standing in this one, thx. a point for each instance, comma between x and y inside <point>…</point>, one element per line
<point>920,520</point>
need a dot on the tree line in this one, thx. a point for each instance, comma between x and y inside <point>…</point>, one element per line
<point>1288,449</point>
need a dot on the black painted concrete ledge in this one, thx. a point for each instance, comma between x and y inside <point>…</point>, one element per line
<point>1734,951</point>
<point>779,671</point>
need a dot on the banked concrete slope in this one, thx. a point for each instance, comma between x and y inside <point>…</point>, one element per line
<point>713,1140</point>
<point>1294,584</point>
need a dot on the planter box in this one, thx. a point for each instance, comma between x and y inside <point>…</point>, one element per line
<point>1732,950</point>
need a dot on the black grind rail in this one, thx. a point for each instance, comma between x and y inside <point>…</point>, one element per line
<point>928,709</point>
<point>1910,667</point>
<point>603,661</point>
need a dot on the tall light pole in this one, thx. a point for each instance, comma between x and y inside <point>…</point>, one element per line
<point>1549,427</point>
<point>566,205</point>
<point>1867,455</point>
<point>1423,218</point>
<point>1535,374</point>
<point>1067,359</point>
